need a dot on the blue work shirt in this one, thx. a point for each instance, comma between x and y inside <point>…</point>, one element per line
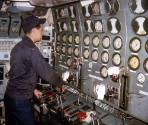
<point>27,64</point>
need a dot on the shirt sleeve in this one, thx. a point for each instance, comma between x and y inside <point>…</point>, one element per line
<point>43,69</point>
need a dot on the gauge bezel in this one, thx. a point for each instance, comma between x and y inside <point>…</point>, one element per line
<point>70,40</point>
<point>95,60</point>
<point>131,42</point>
<point>132,56</point>
<point>101,72</point>
<point>93,43</point>
<point>74,51</point>
<point>113,58</point>
<point>102,56</point>
<point>106,47</point>
<point>77,42</point>
<point>114,40</point>
<point>85,43</point>
<point>84,52</point>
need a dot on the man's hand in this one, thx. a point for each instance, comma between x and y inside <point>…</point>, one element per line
<point>37,94</point>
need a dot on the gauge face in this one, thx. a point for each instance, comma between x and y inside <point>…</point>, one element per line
<point>68,61</point>
<point>103,72</point>
<point>134,62</point>
<point>77,39</point>
<point>70,38</point>
<point>64,38</point>
<point>69,50</point>
<point>105,57</point>
<point>98,26</point>
<point>63,49</point>
<point>141,78</point>
<point>146,46</point>
<point>135,45</point>
<point>86,53</point>
<point>106,42</point>
<point>116,59</point>
<point>58,37</point>
<point>86,40</point>
<point>76,51</point>
<point>95,55</point>
<point>145,65</point>
<point>117,43</point>
<point>58,48</point>
<point>95,41</point>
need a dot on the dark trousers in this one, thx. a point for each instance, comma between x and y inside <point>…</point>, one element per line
<point>18,112</point>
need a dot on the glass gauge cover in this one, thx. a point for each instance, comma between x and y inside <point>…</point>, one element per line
<point>146,46</point>
<point>141,78</point>
<point>95,55</point>
<point>117,43</point>
<point>86,40</point>
<point>116,59</point>
<point>105,57</point>
<point>95,41</point>
<point>145,65</point>
<point>77,39</point>
<point>135,44</point>
<point>106,42</point>
<point>86,53</point>
<point>64,38</point>
<point>69,50</point>
<point>103,72</point>
<point>134,62</point>
<point>76,51</point>
<point>70,38</point>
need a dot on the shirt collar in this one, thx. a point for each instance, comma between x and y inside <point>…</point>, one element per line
<point>29,42</point>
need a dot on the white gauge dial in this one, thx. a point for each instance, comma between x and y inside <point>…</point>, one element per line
<point>146,65</point>
<point>117,43</point>
<point>64,38</point>
<point>95,55</point>
<point>69,62</point>
<point>116,59</point>
<point>134,62</point>
<point>69,50</point>
<point>77,39</point>
<point>141,78</point>
<point>86,40</point>
<point>106,42</point>
<point>105,57</point>
<point>135,45</point>
<point>63,49</point>
<point>86,53</point>
<point>76,51</point>
<point>96,41</point>
<point>103,72</point>
<point>70,39</point>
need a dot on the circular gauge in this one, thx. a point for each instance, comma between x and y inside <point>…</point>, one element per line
<point>117,43</point>
<point>139,25</point>
<point>95,55</point>
<point>134,62</point>
<point>138,6</point>
<point>135,44</point>
<point>69,50</point>
<point>95,41</point>
<point>58,38</point>
<point>68,61</point>
<point>145,65</point>
<point>72,11</point>
<point>77,39</point>
<point>70,38</point>
<point>105,57</point>
<point>58,48</point>
<point>86,40</point>
<point>103,72</point>
<point>141,78</point>
<point>76,51</point>
<point>146,46</point>
<point>86,53</point>
<point>116,59</point>
<point>106,42</point>
<point>89,26</point>
<point>63,49</point>
<point>64,38</point>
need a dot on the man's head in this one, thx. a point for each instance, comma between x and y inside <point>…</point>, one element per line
<point>32,26</point>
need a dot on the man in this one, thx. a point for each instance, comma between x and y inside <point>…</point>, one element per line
<point>27,64</point>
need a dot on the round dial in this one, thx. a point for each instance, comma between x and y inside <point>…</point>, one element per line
<point>146,46</point>
<point>95,55</point>
<point>134,62</point>
<point>117,43</point>
<point>58,37</point>
<point>58,48</point>
<point>105,57</point>
<point>68,61</point>
<point>135,44</point>
<point>141,78</point>
<point>76,51</point>
<point>77,39</point>
<point>69,50</point>
<point>95,41</point>
<point>63,49</point>
<point>70,38</point>
<point>64,38</point>
<point>106,42</point>
<point>103,72</point>
<point>86,53</point>
<point>116,59</point>
<point>86,40</point>
<point>145,65</point>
